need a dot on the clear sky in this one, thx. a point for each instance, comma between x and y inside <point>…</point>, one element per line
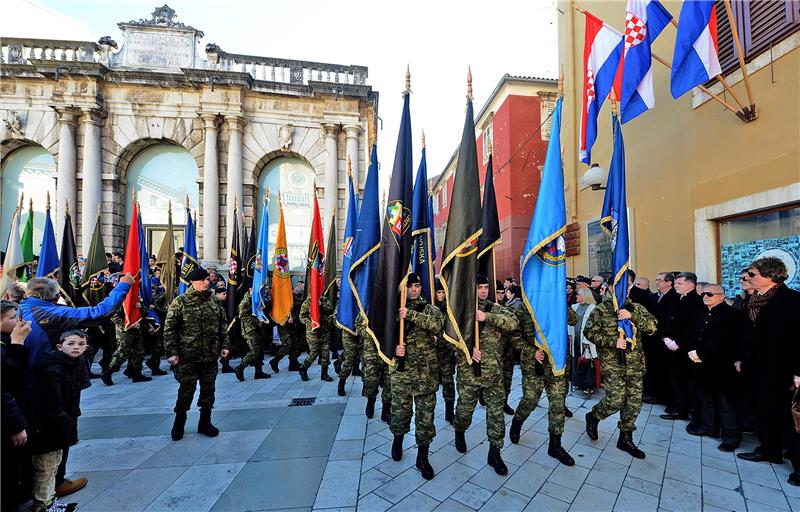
<point>438,39</point>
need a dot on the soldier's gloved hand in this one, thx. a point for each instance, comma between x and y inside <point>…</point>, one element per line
<point>400,350</point>
<point>539,355</point>
<point>224,353</point>
<point>173,360</point>
<point>476,355</point>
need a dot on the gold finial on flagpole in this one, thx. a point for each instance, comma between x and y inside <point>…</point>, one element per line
<point>66,206</point>
<point>30,203</point>
<point>21,200</point>
<point>613,97</point>
<point>134,196</point>
<point>48,199</point>
<point>469,83</point>
<point>169,206</point>
<point>561,81</point>
<point>408,79</point>
<point>98,210</point>
<point>266,196</point>
<point>234,202</point>
<point>423,138</point>
<point>349,168</point>
<point>187,200</point>
<point>491,148</point>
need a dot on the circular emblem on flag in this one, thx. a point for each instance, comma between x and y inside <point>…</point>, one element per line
<point>281,262</point>
<point>398,217</point>
<point>554,253</point>
<point>74,275</point>
<point>258,265</point>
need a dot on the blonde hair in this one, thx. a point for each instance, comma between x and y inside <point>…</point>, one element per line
<point>588,296</point>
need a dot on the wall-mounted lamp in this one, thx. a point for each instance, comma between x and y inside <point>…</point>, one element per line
<point>595,177</point>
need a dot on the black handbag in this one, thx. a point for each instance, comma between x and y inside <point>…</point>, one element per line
<point>584,375</point>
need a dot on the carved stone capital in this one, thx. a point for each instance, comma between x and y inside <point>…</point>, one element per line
<point>330,129</point>
<point>94,116</point>
<point>352,131</point>
<point>235,122</point>
<point>211,121</point>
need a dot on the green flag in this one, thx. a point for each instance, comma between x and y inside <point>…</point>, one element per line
<point>25,272</point>
<point>93,285</point>
<point>331,286</point>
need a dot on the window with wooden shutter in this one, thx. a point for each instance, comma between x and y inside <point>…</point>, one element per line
<point>760,23</point>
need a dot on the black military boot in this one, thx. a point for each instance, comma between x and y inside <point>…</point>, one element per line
<point>591,425</point>
<point>557,451</point>
<point>337,366</point>
<point>386,413</point>
<point>294,364</point>
<point>106,377</point>
<point>626,444</point>
<point>204,425</point>
<point>303,373</point>
<point>340,390</point>
<point>273,363</point>
<point>226,365</point>
<point>239,371</point>
<point>449,414</point>
<point>567,412</point>
<point>324,375</point>
<point>357,371</point>
<point>260,374</point>
<point>128,371</point>
<point>515,431</point>
<point>155,367</point>
<point>461,442</point>
<point>138,376</point>
<point>496,461</point>
<point>397,448</point>
<point>177,426</point>
<point>423,464</point>
<point>507,409</point>
<point>370,410</point>
<point>481,400</point>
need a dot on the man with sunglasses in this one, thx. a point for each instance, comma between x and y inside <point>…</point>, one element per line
<point>713,346</point>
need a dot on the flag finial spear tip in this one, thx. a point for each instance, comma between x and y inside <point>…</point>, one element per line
<point>66,206</point>
<point>423,138</point>
<point>613,97</point>
<point>561,81</point>
<point>187,200</point>
<point>30,203</point>
<point>98,209</point>
<point>469,82</point>
<point>234,201</point>
<point>349,167</point>
<point>48,199</point>
<point>169,206</point>
<point>491,148</point>
<point>408,78</point>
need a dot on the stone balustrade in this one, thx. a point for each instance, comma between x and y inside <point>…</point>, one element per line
<point>22,50</point>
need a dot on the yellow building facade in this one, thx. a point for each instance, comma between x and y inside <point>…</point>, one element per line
<point>706,191</point>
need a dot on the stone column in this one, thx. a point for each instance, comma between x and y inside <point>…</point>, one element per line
<point>352,132</point>
<point>235,177</point>
<point>66,186</point>
<point>331,173</point>
<point>211,190</point>
<point>92,191</point>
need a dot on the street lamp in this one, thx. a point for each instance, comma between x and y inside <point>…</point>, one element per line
<point>595,177</point>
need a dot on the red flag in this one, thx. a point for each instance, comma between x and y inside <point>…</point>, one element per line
<point>316,259</point>
<point>133,266</point>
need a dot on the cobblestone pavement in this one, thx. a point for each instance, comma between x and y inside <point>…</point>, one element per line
<point>329,456</point>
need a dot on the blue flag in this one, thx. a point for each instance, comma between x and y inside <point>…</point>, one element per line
<point>189,260</point>
<point>48,254</point>
<point>614,221</point>
<point>367,241</point>
<point>347,312</point>
<point>422,251</point>
<point>261,266</point>
<point>544,269</point>
<point>146,286</point>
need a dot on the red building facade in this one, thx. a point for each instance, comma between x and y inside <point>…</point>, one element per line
<point>514,125</point>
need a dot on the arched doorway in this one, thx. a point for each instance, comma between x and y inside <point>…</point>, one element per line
<point>29,170</point>
<point>162,174</point>
<point>294,179</point>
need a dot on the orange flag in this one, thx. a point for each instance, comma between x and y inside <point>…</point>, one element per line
<point>281,278</point>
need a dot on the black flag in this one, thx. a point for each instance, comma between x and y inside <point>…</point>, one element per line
<point>69,278</point>
<point>491,231</point>
<point>331,286</point>
<point>394,258</point>
<point>234,272</point>
<point>249,257</point>
<point>460,253</point>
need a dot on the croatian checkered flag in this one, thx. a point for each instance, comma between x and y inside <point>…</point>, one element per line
<point>644,21</point>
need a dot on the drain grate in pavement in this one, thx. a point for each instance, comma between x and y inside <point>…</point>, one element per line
<point>297,402</point>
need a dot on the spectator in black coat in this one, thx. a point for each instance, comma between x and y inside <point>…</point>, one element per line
<point>746,376</point>
<point>16,470</point>
<point>675,339</point>
<point>663,301</point>
<point>57,394</point>
<point>771,331</point>
<point>714,343</point>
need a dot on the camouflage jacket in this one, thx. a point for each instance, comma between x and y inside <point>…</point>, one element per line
<point>423,323</point>
<point>251,326</point>
<point>602,330</point>
<point>527,341</point>
<point>195,328</point>
<point>500,323</point>
<point>325,314</point>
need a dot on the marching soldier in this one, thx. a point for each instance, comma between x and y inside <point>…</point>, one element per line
<point>376,375</point>
<point>537,374</point>
<point>130,347</point>
<point>494,323</point>
<point>194,337</point>
<point>446,358</point>
<point>318,338</point>
<point>352,353</point>
<point>290,334</point>
<point>623,367</point>
<point>418,381</point>
<point>254,332</point>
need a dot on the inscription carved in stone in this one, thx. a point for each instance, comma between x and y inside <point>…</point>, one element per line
<point>153,49</point>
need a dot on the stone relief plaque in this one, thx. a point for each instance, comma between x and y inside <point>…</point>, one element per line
<point>158,49</point>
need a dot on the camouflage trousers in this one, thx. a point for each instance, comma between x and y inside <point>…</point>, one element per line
<point>154,345</point>
<point>375,373</point>
<point>130,347</point>
<point>188,375</point>
<point>532,386</point>
<point>447,370</point>
<point>623,385</point>
<point>352,353</point>
<point>424,407</point>
<point>255,354</point>
<point>317,347</point>
<point>468,389</point>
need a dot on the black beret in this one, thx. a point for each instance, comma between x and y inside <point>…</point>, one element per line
<point>198,274</point>
<point>583,279</point>
<point>437,284</point>
<point>221,287</point>
<point>481,279</point>
<point>413,279</point>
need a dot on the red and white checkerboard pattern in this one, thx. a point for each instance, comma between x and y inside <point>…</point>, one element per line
<point>590,85</point>
<point>635,30</point>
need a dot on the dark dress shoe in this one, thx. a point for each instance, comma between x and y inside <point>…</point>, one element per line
<point>794,478</point>
<point>674,416</point>
<point>727,447</point>
<point>696,431</point>
<point>757,457</point>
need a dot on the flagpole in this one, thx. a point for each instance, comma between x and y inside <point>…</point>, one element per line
<point>620,352</point>
<point>740,54</point>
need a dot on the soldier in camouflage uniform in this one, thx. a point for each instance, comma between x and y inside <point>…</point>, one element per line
<point>290,334</point>
<point>623,367</point>
<point>352,353</point>
<point>537,374</point>
<point>194,337</point>
<point>130,347</point>
<point>494,323</point>
<point>446,358</point>
<point>418,381</point>
<point>318,338</point>
<point>513,301</point>
<point>376,374</point>
<point>254,331</point>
